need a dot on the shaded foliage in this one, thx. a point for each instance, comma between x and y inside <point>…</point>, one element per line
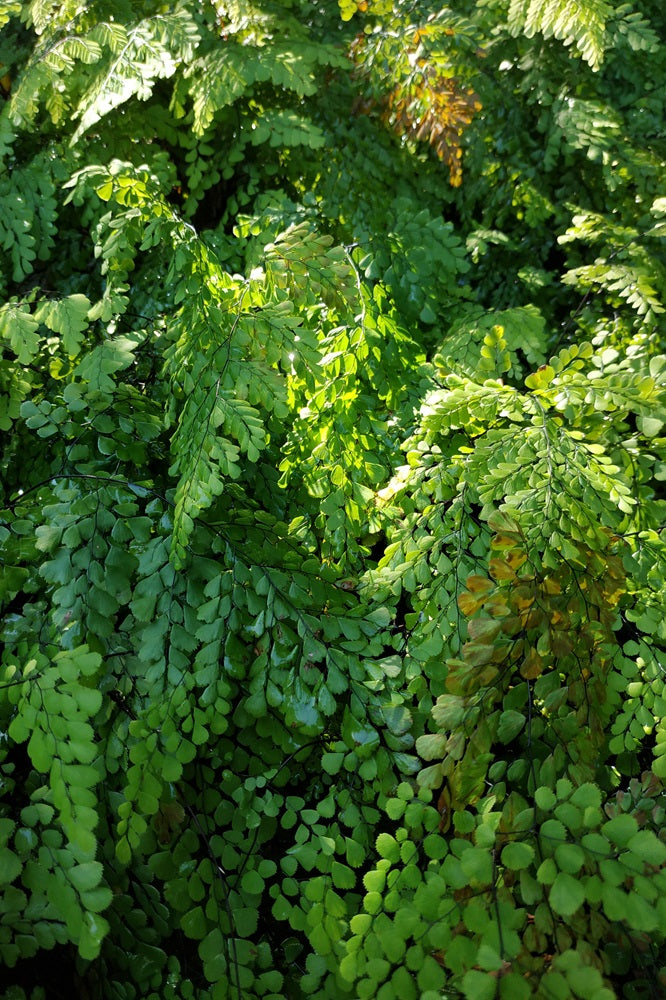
<point>331,551</point>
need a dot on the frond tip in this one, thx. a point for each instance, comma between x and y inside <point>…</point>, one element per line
<point>582,22</point>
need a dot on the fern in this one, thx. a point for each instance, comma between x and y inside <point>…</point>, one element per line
<point>217,80</point>
<point>628,273</point>
<point>569,21</point>
<point>63,748</point>
<point>151,51</point>
<point>590,126</point>
<point>522,331</point>
<point>629,27</point>
<point>44,13</point>
<point>332,611</point>
<point>27,223</point>
<point>635,285</point>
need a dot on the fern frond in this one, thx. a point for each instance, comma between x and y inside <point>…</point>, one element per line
<point>290,65</point>
<point>24,102</point>
<point>217,80</point>
<point>111,34</point>
<point>7,137</point>
<point>246,19</point>
<point>523,330</point>
<point>589,125</point>
<point>44,14</point>
<point>203,460</point>
<point>18,328</point>
<point>593,227</point>
<point>286,128</point>
<point>579,22</point>
<point>633,284</point>
<point>153,50</point>
<point>85,50</point>
<point>55,57</point>
<point>28,210</point>
<point>630,28</point>
<point>306,264</point>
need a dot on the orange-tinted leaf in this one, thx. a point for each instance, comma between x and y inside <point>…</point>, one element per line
<point>435,109</point>
<point>515,558</point>
<point>522,597</point>
<point>504,567</point>
<point>499,569</point>
<point>505,542</point>
<point>534,617</point>
<point>469,604</point>
<point>479,584</point>
<point>496,606</point>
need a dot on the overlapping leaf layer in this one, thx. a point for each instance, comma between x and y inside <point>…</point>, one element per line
<point>331,523</point>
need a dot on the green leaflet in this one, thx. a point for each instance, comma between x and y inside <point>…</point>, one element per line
<point>69,318</point>
<point>19,327</point>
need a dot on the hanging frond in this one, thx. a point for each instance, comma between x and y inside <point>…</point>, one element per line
<point>635,285</point>
<point>152,51</point>
<point>573,22</point>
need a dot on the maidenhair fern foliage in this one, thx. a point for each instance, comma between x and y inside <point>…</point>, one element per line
<point>332,399</point>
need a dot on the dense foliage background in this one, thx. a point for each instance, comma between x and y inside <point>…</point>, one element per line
<point>332,468</point>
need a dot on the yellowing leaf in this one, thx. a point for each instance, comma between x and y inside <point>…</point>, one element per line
<point>531,666</point>
<point>541,378</point>
<point>479,584</point>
